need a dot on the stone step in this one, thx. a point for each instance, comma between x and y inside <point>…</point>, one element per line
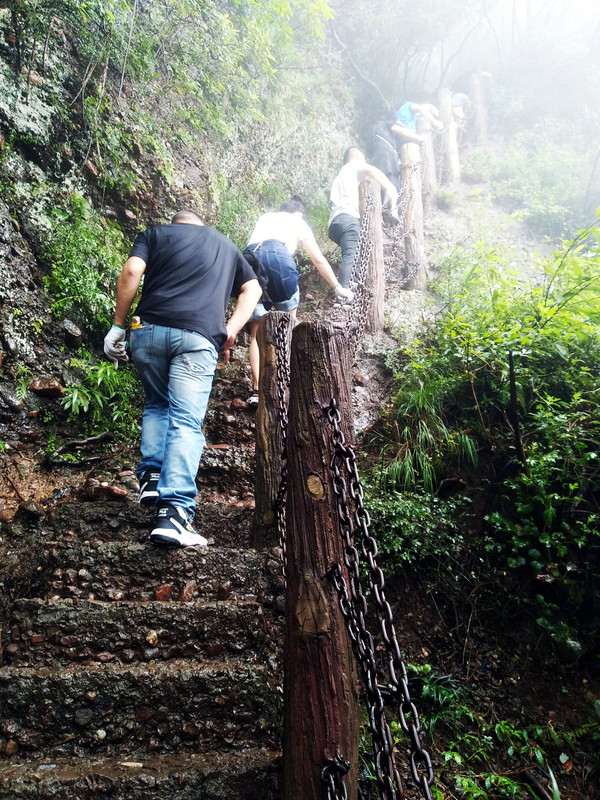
<point>223,525</point>
<point>134,571</point>
<point>81,631</point>
<point>244,775</point>
<point>128,710</point>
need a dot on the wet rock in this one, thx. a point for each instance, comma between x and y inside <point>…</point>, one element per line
<point>73,334</point>
<point>11,401</point>
<point>152,638</point>
<point>83,716</point>
<point>93,489</point>
<point>127,655</point>
<point>143,714</point>
<point>105,657</point>
<point>163,592</point>
<point>46,387</point>
<point>31,510</point>
<point>11,748</point>
<point>187,592</point>
<point>224,591</point>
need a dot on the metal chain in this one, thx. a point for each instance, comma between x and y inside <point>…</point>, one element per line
<point>283,386</point>
<point>331,775</point>
<point>353,607</point>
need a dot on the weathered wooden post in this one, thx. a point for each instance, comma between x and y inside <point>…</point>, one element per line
<point>414,237</point>
<point>450,154</point>
<point>428,166</point>
<point>321,712</point>
<point>478,104</point>
<point>274,330</point>
<point>375,276</point>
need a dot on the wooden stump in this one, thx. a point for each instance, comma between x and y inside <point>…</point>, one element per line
<point>428,167</point>
<point>269,433</point>
<point>450,153</point>
<point>375,276</point>
<point>321,712</point>
<point>414,237</point>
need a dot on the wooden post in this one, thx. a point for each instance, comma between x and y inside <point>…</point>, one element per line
<point>478,105</point>
<point>268,430</point>
<point>321,711</point>
<point>414,237</point>
<point>450,155</point>
<point>375,277</point>
<point>428,167</point>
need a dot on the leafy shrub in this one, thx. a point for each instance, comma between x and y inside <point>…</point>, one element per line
<point>411,528</point>
<point>86,254</point>
<point>106,397</point>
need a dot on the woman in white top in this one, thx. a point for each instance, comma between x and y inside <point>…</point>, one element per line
<point>273,242</point>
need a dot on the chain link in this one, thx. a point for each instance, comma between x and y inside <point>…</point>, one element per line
<point>331,775</point>
<point>283,387</point>
<point>353,606</point>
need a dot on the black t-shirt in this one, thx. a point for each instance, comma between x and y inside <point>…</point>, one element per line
<point>191,272</point>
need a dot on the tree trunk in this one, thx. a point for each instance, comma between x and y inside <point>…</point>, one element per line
<point>414,237</point>
<point>321,712</point>
<point>269,432</point>
<point>375,277</point>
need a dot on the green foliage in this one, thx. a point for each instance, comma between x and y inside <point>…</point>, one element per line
<point>106,397</point>
<point>411,528</point>
<point>86,254</point>
<point>468,743</point>
<point>536,421</point>
<point>542,176</point>
<point>23,378</point>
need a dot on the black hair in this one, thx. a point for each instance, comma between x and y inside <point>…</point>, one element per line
<point>352,149</point>
<point>292,205</point>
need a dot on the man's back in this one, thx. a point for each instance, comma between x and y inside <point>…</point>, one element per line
<point>191,271</point>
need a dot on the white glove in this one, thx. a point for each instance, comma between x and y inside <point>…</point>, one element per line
<point>347,295</point>
<point>114,345</point>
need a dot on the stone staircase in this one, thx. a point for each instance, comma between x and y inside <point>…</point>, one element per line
<point>135,672</point>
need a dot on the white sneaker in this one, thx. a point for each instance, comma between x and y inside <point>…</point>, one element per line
<point>173,529</point>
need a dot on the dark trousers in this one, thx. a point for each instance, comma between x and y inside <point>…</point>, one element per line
<point>344,230</point>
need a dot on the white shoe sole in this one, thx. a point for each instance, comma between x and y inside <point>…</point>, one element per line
<point>167,538</point>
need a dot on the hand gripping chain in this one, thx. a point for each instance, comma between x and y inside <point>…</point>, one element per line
<point>353,606</point>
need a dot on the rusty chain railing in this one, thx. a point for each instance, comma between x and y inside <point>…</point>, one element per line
<point>353,606</point>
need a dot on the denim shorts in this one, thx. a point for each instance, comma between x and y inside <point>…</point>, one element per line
<point>282,305</point>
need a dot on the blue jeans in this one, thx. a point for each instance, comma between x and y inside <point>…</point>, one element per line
<point>344,230</point>
<point>176,368</point>
<point>284,305</point>
<point>280,267</point>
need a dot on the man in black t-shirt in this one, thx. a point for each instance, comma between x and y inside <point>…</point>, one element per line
<point>190,270</point>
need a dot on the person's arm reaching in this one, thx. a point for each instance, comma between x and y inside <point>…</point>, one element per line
<point>323,266</point>
<point>381,178</point>
<point>249,295</point>
<point>127,286</point>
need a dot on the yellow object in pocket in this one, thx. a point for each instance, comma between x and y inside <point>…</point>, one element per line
<point>136,323</point>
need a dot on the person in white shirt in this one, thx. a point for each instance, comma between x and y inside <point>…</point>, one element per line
<point>270,252</point>
<point>344,219</point>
